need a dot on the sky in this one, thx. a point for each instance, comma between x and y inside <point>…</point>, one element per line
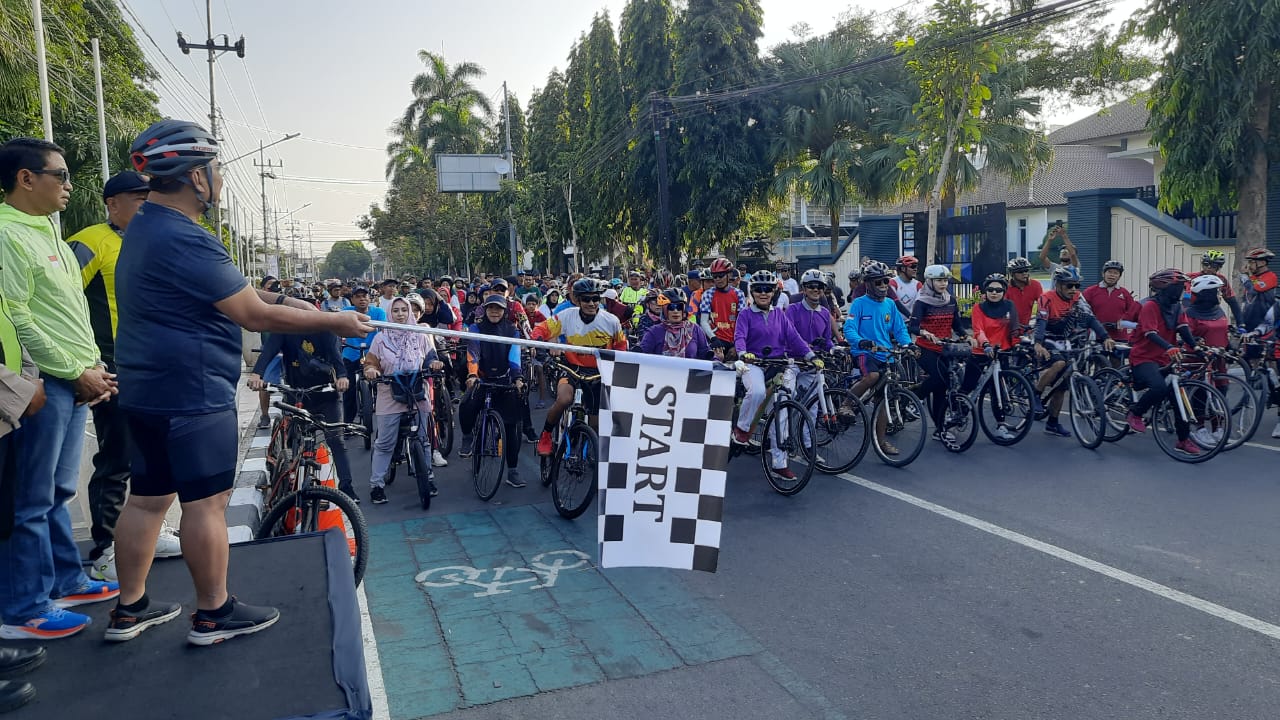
<point>339,74</point>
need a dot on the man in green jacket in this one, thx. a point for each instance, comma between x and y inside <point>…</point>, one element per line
<point>40,283</point>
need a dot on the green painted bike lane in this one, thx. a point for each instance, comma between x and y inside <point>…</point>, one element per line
<point>474,608</point>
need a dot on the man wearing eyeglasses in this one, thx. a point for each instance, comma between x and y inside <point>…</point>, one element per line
<point>40,285</point>
<point>721,303</point>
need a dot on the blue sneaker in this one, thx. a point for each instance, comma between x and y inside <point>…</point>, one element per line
<point>51,625</point>
<point>90,592</point>
<point>1056,430</point>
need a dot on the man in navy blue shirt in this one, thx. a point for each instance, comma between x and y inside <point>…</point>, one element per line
<point>181,306</point>
<point>353,349</point>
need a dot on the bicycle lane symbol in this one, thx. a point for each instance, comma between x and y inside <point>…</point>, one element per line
<point>544,570</point>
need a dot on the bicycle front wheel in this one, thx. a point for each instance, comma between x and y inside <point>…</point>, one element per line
<point>489,459</point>
<point>444,419</point>
<point>1088,414</point>
<point>1016,407</point>
<point>961,420</point>
<point>841,433</point>
<point>316,508</point>
<point>1244,406</point>
<point>783,447</point>
<point>1207,405</point>
<point>420,463</point>
<point>365,400</point>
<point>906,427</point>
<point>1115,402</point>
<point>574,470</point>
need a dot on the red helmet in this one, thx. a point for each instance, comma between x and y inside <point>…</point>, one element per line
<point>1259,254</point>
<point>1161,279</point>
<point>721,265</point>
<point>908,261</point>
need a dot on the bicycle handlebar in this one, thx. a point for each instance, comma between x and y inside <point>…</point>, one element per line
<point>307,417</point>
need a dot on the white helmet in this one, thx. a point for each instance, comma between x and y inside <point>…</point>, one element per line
<point>937,272</point>
<point>1205,282</point>
<point>812,276</point>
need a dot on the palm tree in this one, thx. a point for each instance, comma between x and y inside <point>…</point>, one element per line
<point>447,113</point>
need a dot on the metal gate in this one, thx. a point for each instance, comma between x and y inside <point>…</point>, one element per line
<point>971,240</point>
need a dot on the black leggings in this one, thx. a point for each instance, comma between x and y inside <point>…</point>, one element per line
<point>508,405</point>
<point>1147,375</point>
<point>934,388</point>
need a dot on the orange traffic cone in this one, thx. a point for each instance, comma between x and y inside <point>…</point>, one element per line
<point>330,516</point>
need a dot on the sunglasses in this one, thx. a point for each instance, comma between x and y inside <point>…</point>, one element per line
<point>589,298</point>
<point>719,276</point>
<point>762,289</point>
<point>63,174</point>
<point>815,286</point>
<point>880,282</point>
<point>995,289</point>
<point>1071,286</point>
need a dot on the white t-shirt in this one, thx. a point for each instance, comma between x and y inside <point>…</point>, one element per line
<point>385,304</point>
<point>907,291</point>
<point>791,286</point>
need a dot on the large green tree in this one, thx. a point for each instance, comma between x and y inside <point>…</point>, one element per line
<point>347,259</point>
<point>447,114</point>
<point>601,165</point>
<point>1214,105</point>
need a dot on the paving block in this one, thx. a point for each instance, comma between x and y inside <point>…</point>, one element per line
<point>487,682</point>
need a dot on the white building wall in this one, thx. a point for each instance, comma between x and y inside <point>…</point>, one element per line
<point>1145,248</point>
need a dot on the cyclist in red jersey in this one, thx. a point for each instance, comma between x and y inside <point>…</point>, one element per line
<point>1113,305</point>
<point>1211,264</point>
<point>1160,318</point>
<point>718,311</point>
<point>1023,292</point>
<point>1259,290</point>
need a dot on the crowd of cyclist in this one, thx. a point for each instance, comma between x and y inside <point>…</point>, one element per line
<point>725,313</point>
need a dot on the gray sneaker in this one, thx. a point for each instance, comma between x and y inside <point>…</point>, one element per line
<point>468,442</point>
<point>513,478</point>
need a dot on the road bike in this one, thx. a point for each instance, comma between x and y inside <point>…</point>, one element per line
<point>306,505</point>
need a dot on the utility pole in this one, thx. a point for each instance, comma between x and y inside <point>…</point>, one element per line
<point>215,49</point>
<point>511,219</point>
<point>664,211</point>
<point>264,171</point>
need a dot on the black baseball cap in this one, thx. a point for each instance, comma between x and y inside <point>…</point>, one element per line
<point>124,182</point>
<point>360,290</point>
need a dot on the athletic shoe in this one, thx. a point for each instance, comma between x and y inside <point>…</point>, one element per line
<point>167,544</point>
<point>947,438</point>
<point>1004,433</point>
<point>437,460</point>
<point>1204,436</point>
<point>208,629</point>
<point>1188,446</point>
<point>529,434</point>
<point>90,592</point>
<point>264,422</point>
<point>351,493</point>
<point>1056,430</point>
<point>104,568</point>
<point>378,496</point>
<point>50,625</point>
<point>468,443</point>
<point>784,473</point>
<point>888,448</point>
<point>1275,432</point>
<point>1136,424</point>
<point>742,437</point>
<point>513,478</point>
<point>434,491</point>
<point>125,625</point>
<point>544,443</point>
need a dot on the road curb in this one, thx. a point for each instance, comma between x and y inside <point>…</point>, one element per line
<point>244,511</point>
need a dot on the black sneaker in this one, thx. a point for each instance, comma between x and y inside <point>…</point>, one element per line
<point>125,625</point>
<point>351,493</point>
<point>513,479</point>
<point>206,629</point>
<point>530,435</point>
<point>468,443</point>
<point>434,490</point>
<point>378,496</point>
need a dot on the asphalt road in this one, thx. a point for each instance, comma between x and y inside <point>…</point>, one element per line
<point>875,596</point>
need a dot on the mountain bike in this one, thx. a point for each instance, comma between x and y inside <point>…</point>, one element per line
<point>572,468</point>
<point>414,425</point>
<point>897,411</point>
<point>841,430</point>
<point>441,410</point>
<point>285,446</point>
<point>1192,401</point>
<point>488,459</point>
<point>1086,406</point>
<point>786,429</point>
<point>306,505</point>
<point>999,403</point>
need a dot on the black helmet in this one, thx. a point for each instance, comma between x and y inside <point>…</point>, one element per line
<point>1113,265</point>
<point>170,148</point>
<point>995,278</point>
<point>1019,264</point>
<point>585,286</point>
<point>876,270</point>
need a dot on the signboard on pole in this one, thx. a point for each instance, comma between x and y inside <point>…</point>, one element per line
<point>470,173</point>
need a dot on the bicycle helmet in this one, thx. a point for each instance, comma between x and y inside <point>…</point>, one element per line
<point>812,276</point>
<point>445,279</point>
<point>1019,264</point>
<point>855,275</point>
<point>1259,254</point>
<point>876,271</point>
<point>908,261</point>
<point>664,279</point>
<point>636,273</point>
<point>171,148</point>
<point>1113,265</point>
<point>585,286</point>
<point>721,265</point>
<point>1200,283</point>
<point>416,301</point>
<point>763,277</point>
<point>995,278</point>
<point>937,272</point>
<point>1214,257</point>
<point>1161,279</point>
<point>1066,274</point>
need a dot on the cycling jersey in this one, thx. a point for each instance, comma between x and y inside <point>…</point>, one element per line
<point>941,320</point>
<point>1111,305</point>
<point>813,324</point>
<point>719,309</point>
<point>1259,300</point>
<point>1060,318</point>
<point>97,248</point>
<point>1151,320</point>
<point>1024,299</point>
<point>604,332</point>
<point>878,321</point>
<point>906,290</point>
<point>768,334</point>
<point>995,324</point>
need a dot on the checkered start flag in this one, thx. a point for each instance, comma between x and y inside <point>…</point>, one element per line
<point>664,452</point>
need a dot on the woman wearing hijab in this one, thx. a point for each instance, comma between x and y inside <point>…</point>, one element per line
<point>995,326</point>
<point>1207,322</point>
<point>935,316</point>
<point>395,352</point>
<point>676,335</point>
<point>1160,319</point>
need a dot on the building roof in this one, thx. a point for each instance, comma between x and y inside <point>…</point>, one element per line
<point>1123,118</point>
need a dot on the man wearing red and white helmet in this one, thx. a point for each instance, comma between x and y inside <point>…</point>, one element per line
<point>721,303</point>
<point>1259,291</point>
<point>905,286</point>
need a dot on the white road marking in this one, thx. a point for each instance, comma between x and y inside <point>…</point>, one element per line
<point>372,663</point>
<point>1155,588</point>
<point>1272,448</point>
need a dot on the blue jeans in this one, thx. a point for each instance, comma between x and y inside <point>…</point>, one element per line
<point>41,561</point>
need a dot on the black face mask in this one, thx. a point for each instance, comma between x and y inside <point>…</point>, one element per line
<point>1205,298</point>
<point>1170,294</point>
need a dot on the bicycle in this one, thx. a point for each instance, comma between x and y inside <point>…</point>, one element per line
<point>488,459</point>
<point>837,417</point>
<point>785,429</point>
<point>1192,401</point>
<point>901,411</point>
<point>572,468</point>
<point>1003,394</point>
<point>1086,407</point>
<point>441,410</point>
<point>410,447</point>
<point>1210,365</point>
<point>305,506</point>
<point>1260,371</point>
<point>284,447</point>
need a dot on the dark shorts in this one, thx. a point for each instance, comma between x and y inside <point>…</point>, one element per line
<point>193,455</point>
<point>867,364</point>
<point>590,393</point>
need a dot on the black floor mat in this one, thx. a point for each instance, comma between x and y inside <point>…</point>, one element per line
<point>286,671</point>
